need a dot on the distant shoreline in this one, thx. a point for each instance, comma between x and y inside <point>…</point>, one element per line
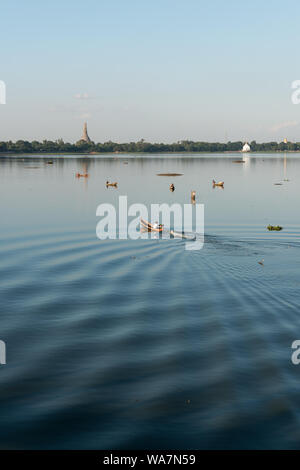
<point>115,154</point>
<point>24,147</point>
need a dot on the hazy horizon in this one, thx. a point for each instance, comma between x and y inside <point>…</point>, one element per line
<point>162,72</point>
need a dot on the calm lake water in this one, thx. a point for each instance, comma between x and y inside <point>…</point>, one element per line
<point>124,344</point>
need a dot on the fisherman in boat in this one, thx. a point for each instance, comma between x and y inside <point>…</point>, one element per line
<point>156,225</point>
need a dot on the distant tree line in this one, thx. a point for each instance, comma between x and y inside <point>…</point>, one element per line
<point>59,146</point>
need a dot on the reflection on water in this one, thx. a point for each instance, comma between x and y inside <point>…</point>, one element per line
<point>142,344</point>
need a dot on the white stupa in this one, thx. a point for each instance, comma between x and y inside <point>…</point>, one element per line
<point>246,148</point>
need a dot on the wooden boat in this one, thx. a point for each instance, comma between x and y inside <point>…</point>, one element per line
<point>220,183</point>
<point>114,185</point>
<point>82,175</point>
<point>169,174</point>
<point>146,225</point>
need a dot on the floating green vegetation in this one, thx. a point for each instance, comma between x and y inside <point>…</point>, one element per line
<point>274,227</point>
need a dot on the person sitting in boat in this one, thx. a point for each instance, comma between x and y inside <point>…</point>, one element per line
<point>156,225</point>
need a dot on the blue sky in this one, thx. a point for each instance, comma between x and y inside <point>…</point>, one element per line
<point>162,70</point>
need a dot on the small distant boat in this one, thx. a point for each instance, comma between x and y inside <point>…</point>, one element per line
<point>169,174</point>
<point>146,225</point>
<point>82,175</point>
<point>114,185</point>
<point>220,183</point>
